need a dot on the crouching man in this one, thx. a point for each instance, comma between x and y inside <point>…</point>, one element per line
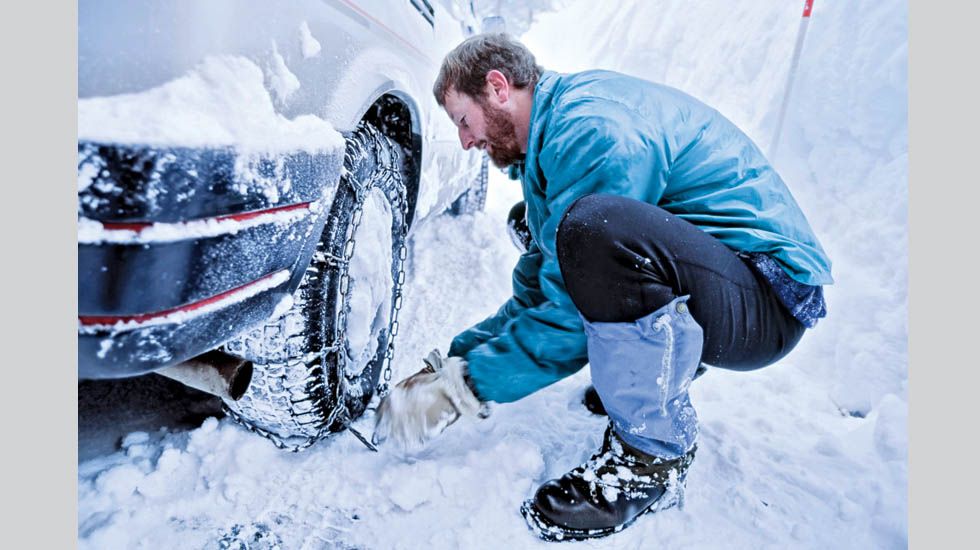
<point>660,238</point>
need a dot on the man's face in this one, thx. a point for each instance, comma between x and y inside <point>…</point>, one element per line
<point>484,126</point>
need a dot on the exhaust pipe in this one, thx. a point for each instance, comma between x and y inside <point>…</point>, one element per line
<point>213,372</point>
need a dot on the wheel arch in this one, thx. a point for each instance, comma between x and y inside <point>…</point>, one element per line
<point>397,115</point>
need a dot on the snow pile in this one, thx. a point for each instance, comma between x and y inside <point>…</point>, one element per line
<point>222,102</point>
<point>847,144</point>
<point>778,464</point>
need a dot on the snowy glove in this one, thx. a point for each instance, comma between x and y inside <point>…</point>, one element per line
<point>421,406</point>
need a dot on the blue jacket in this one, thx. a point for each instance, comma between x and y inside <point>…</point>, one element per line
<point>604,132</point>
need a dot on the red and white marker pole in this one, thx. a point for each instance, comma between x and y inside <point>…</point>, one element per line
<point>807,8</point>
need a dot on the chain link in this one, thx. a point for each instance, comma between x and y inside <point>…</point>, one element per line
<point>274,438</point>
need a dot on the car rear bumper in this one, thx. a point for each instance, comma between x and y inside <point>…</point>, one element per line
<point>181,249</point>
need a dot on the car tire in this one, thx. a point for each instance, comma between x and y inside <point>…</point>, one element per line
<point>475,198</point>
<point>317,366</point>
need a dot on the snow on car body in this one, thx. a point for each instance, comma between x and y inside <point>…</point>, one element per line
<point>248,173</point>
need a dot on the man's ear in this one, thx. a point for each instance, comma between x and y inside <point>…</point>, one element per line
<point>497,86</point>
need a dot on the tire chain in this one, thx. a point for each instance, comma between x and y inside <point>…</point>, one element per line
<point>399,201</point>
<point>340,412</point>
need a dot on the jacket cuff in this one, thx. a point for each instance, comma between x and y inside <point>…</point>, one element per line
<point>469,384</point>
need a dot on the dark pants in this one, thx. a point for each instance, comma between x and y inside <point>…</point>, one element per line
<point>623,259</point>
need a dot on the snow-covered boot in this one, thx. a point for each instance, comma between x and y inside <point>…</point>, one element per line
<point>607,493</point>
<point>641,370</point>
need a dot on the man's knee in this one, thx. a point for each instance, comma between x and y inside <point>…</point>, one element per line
<point>598,227</point>
<point>584,231</point>
<point>612,255</point>
<point>587,247</point>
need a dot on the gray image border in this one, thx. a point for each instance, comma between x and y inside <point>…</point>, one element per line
<point>40,121</point>
<point>39,46</point>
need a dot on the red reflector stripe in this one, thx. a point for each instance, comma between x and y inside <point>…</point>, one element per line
<point>240,217</point>
<point>89,320</point>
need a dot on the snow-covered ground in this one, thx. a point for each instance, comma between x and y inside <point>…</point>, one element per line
<point>811,452</point>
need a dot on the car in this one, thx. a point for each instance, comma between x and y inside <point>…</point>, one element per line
<point>249,173</point>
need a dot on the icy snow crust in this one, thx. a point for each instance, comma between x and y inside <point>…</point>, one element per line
<point>780,464</point>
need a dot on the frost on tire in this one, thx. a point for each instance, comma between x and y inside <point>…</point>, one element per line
<point>317,366</point>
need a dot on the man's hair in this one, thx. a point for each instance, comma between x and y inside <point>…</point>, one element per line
<point>465,68</point>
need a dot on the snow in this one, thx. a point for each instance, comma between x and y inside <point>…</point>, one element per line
<point>309,45</point>
<point>222,102</point>
<point>105,345</point>
<point>86,174</point>
<point>282,81</point>
<point>808,453</point>
<point>663,323</point>
<point>252,289</point>
<point>282,307</point>
<point>94,232</point>
<point>251,171</point>
<point>370,281</point>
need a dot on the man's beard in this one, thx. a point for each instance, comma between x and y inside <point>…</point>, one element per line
<point>502,146</point>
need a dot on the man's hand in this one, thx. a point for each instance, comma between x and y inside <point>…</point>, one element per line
<point>421,406</point>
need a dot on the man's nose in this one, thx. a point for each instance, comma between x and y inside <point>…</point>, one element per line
<point>466,139</point>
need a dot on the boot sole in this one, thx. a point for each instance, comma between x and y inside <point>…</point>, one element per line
<point>552,532</point>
